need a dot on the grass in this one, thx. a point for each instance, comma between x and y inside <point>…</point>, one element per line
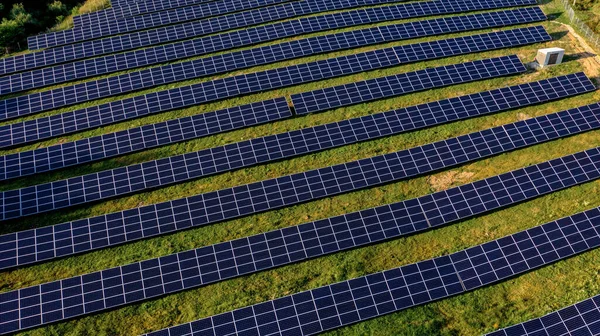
<point>87,6</point>
<point>483,310</point>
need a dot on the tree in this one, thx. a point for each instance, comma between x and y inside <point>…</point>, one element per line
<point>14,30</point>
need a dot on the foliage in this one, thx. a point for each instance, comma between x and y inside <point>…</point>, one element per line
<point>584,4</point>
<point>27,18</point>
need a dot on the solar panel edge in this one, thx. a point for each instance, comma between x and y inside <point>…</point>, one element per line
<point>495,4</point>
<point>98,22</point>
<point>51,39</point>
<point>28,203</point>
<point>554,120</point>
<point>303,107</point>
<point>449,281</point>
<point>286,76</point>
<point>36,167</point>
<point>504,128</point>
<point>489,5</point>
<point>162,75</point>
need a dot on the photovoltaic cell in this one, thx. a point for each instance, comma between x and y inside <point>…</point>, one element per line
<point>372,89</point>
<point>582,318</point>
<point>38,102</point>
<point>211,25</point>
<point>99,232</point>
<point>181,97</point>
<point>323,136</point>
<point>224,41</point>
<point>135,8</point>
<point>405,286</point>
<point>377,294</point>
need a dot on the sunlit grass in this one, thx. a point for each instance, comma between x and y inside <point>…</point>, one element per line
<point>513,301</point>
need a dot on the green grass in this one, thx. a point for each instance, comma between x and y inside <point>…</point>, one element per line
<point>516,300</point>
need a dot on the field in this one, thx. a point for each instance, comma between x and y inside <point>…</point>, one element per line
<point>477,312</point>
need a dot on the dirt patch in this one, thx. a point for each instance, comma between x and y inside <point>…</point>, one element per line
<point>523,116</point>
<point>443,181</point>
<point>587,55</point>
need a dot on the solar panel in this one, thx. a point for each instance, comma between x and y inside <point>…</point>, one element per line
<point>405,286</point>
<point>135,8</point>
<point>373,89</point>
<point>171,16</point>
<point>80,190</point>
<point>324,136</point>
<point>181,97</point>
<point>78,93</point>
<point>347,302</point>
<point>247,58</point>
<point>212,25</point>
<point>143,137</point>
<point>66,239</point>
<point>224,41</point>
<point>582,318</point>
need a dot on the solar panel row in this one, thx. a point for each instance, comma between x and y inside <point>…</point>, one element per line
<point>79,93</point>
<point>301,142</point>
<point>171,16</point>
<point>320,137</point>
<point>136,8</point>
<point>240,59</point>
<point>161,101</point>
<point>80,190</point>
<point>224,41</point>
<point>582,318</point>
<point>211,25</point>
<point>359,92</point>
<point>377,294</point>
<point>144,137</point>
<point>114,287</point>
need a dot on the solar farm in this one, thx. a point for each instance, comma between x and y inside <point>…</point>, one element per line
<point>298,167</point>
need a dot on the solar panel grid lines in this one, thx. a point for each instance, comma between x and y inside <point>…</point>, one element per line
<point>92,90</point>
<point>202,11</point>
<point>106,87</point>
<point>377,294</point>
<point>582,318</point>
<point>161,101</point>
<point>33,200</point>
<point>372,89</point>
<point>47,243</point>
<point>135,8</point>
<point>218,262</point>
<point>224,41</point>
<point>143,137</point>
<point>328,135</point>
<point>175,15</point>
<point>212,25</point>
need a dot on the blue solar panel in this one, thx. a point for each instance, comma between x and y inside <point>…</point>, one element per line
<point>405,286</point>
<point>214,43</point>
<point>181,97</point>
<point>323,136</point>
<point>80,190</point>
<point>377,294</point>
<point>95,233</point>
<point>171,16</point>
<point>135,8</point>
<point>360,92</point>
<point>211,25</point>
<point>581,319</point>
<point>238,60</point>
<point>143,137</point>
